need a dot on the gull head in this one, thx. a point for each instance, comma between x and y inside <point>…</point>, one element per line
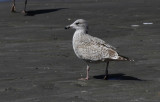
<point>79,24</point>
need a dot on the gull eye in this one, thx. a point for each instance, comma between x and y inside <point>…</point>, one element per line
<point>77,23</point>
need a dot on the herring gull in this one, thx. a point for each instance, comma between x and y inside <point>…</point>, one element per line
<point>92,49</point>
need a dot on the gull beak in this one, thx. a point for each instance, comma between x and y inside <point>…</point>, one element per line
<point>67,27</point>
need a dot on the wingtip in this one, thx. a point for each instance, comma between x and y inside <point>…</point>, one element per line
<point>125,58</point>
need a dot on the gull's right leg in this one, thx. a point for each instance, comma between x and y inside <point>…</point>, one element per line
<point>24,11</point>
<point>106,73</point>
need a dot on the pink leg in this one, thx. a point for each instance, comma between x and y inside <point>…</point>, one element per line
<point>13,9</point>
<point>87,76</point>
<point>24,11</point>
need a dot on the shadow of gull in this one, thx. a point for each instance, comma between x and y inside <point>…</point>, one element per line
<point>118,76</point>
<point>41,11</point>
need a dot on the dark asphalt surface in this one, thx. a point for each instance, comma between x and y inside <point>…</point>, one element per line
<point>37,62</point>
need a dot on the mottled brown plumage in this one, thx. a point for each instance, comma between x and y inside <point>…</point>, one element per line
<point>92,49</point>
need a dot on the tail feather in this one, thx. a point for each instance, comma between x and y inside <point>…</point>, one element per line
<point>123,58</point>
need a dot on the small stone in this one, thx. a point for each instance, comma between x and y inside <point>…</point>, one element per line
<point>69,19</point>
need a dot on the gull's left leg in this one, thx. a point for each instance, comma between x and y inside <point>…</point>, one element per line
<point>106,72</point>
<point>87,76</point>
<point>13,8</point>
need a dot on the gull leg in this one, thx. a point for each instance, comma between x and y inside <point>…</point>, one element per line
<point>24,11</point>
<point>106,72</point>
<point>13,8</point>
<point>87,76</point>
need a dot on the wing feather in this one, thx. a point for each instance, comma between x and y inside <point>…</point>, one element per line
<point>98,41</point>
<point>93,48</point>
